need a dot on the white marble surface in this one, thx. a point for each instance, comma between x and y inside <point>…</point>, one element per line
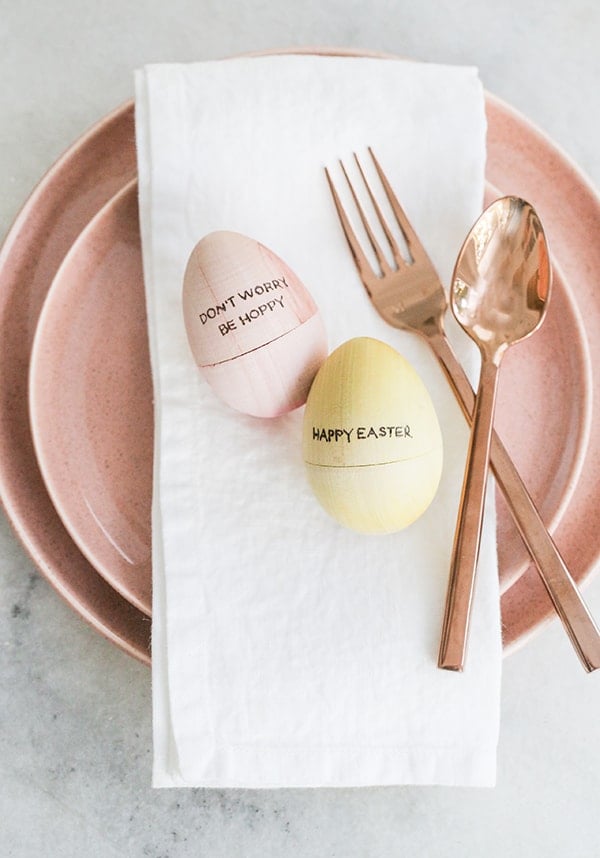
<point>75,745</point>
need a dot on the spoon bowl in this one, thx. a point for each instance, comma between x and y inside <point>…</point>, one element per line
<point>501,281</point>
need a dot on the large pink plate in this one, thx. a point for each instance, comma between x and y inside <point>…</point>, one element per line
<point>521,161</point>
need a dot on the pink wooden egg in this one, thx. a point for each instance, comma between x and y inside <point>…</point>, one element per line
<point>253,328</point>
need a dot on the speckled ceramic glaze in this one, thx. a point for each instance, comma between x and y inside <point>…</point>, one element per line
<point>91,399</point>
<point>70,194</point>
<point>522,160</point>
<point>549,386</point>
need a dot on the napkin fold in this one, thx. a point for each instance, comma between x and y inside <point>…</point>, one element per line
<point>287,650</point>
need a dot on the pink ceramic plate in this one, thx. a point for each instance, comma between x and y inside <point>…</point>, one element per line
<point>520,160</point>
<point>524,161</point>
<point>86,176</point>
<point>91,404</point>
<point>91,399</point>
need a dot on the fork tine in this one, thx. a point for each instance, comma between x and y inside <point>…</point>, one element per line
<point>383,263</point>
<point>412,241</point>
<point>399,259</point>
<point>361,261</point>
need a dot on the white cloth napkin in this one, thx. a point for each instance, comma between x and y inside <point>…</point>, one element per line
<point>288,651</point>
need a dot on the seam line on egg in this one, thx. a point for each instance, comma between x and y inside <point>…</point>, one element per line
<point>256,348</point>
<point>373,464</point>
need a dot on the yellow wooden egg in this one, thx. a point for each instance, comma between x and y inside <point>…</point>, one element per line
<point>371,439</point>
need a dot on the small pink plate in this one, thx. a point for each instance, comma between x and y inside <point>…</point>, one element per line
<point>91,399</point>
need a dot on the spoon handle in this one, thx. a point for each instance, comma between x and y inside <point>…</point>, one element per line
<point>562,589</point>
<point>468,526</point>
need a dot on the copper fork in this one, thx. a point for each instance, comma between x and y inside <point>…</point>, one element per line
<point>408,295</point>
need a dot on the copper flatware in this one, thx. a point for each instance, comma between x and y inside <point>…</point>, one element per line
<point>499,295</point>
<point>409,295</point>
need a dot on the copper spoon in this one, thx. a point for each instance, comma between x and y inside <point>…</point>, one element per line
<point>499,294</point>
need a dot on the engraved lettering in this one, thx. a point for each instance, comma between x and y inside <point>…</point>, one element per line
<point>339,434</point>
<point>262,288</point>
<point>216,310</point>
<point>257,312</point>
<point>226,327</point>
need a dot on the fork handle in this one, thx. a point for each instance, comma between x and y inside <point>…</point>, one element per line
<point>562,589</point>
